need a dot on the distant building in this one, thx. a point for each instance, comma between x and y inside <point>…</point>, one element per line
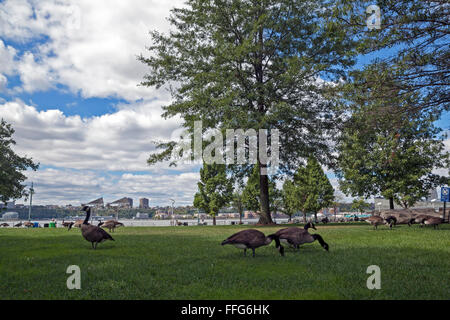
<point>143,203</point>
<point>141,215</point>
<point>431,201</point>
<point>122,203</point>
<point>9,205</point>
<point>98,203</point>
<point>10,216</point>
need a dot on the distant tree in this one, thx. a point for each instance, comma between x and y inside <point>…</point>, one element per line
<point>360,205</point>
<point>12,166</point>
<point>215,189</point>
<point>238,203</point>
<point>290,198</point>
<point>314,189</point>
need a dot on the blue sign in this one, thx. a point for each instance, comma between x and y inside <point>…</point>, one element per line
<point>445,194</point>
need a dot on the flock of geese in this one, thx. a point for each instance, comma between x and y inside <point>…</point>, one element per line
<point>392,221</point>
<point>293,236</point>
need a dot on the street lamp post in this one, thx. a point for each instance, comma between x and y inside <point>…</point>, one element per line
<point>31,201</point>
<point>173,201</point>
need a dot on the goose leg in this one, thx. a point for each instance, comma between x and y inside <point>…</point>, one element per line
<point>92,245</point>
<point>253,252</point>
<point>245,252</point>
<point>95,246</point>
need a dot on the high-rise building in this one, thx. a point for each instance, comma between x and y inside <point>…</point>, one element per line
<point>122,203</point>
<point>143,203</point>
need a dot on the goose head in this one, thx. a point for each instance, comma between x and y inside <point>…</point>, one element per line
<point>310,225</point>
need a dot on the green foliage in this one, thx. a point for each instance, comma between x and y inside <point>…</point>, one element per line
<point>387,148</point>
<point>415,32</point>
<point>290,198</point>
<point>215,189</point>
<point>254,65</point>
<point>360,205</point>
<point>12,166</point>
<point>313,188</point>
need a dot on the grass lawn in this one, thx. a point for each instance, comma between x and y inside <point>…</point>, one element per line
<point>190,263</point>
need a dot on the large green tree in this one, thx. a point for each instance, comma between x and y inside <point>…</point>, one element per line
<point>254,64</point>
<point>215,189</point>
<point>314,189</point>
<point>12,166</point>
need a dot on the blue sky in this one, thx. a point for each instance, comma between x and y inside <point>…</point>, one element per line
<point>69,85</point>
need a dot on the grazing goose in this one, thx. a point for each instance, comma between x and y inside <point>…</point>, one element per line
<point>66,224</point>
<point>28,224</point>
<point>4,225</point>
<point>391,221</point>
<point>375,221</point>
<point>252,239</point>
<point>433,221</point>
<point>111,225</point>
<point>18,224</point>
<point>305,228</point>
<point>91,233</point>
<point>297,236</point>
<point>421,218</point>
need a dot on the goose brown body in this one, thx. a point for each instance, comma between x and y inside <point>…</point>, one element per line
<point>252,239</point>
<point>92,233</point>
<point>298,236</point>
<point>111,225</point>
<point>433,221</point>
<point>375,221</point>
<point>28,224</point>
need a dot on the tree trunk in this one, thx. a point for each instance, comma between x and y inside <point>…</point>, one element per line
<point>315,217</point>
<point>304,217</point>
<point>265,217</point>
<point>391,203</point>
<point>214,220</point>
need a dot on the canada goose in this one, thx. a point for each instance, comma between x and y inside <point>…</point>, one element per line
<point>421,218</point>
<point>252,239</point>
<point>111,225</point>
<point>375,221</point>
<point>66,224</point>
<point>433,221</point>
<point>305,228</point>
<point>297,236</point>
<point>4,225</point>
<point>100,224</point>
<point>28,224</point>
<point>391,221</point>
<point>18,224</point>
<point>91,233</point>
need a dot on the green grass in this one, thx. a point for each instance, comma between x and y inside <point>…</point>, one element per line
<point>190,263</point>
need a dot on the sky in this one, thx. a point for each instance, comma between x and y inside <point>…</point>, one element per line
<point>69,86</point>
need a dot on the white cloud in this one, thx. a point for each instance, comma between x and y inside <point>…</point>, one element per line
<point>91,47</point>
<point>64,186</point>
<point>117,141</point>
